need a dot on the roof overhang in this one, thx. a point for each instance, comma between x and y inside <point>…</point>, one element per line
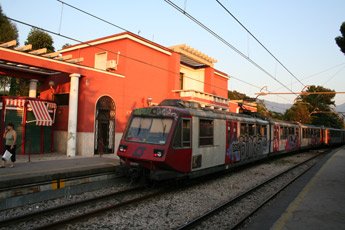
<point>18,60</point>
<point>193,57</point>
<point>26,68</point>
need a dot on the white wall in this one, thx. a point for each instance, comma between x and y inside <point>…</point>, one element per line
<point>60,141</point>
<point>193,78</point>
<point>85,144</point>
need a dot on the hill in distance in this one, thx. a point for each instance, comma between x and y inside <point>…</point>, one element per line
<point>340,108</point>
<point>277,107</point>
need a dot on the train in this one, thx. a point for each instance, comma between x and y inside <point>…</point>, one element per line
<point>180,139</point>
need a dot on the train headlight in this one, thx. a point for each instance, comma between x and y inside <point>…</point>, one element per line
<point>158,153</point>
<point>123,148</point>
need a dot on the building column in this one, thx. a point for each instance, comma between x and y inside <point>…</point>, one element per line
<point>33,88</point>
<point>72,115</point>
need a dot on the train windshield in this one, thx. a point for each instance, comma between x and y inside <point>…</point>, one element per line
<point>149,130</point>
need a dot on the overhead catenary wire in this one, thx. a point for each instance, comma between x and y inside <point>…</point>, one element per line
<point>255,86</point>
<point>94,16</point>
<point>225,42</point>
<point>335,74</point>
<point>318,73</point>
<point>260,43</point>
<point>120,27</point>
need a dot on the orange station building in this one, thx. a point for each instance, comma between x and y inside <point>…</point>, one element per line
<point>97,84</point>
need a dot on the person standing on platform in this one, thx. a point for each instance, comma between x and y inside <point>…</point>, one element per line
<point>10,136</point>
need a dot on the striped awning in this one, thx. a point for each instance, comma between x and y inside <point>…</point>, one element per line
<point>15,102</point>
<point>41,113</point>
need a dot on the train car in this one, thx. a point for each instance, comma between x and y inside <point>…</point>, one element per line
<point>285,137</point>
<point>183,140</point>
<point>311,136</point>
<point>334,136</point>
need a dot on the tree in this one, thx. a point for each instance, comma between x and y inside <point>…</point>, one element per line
<point>19,87</point>
<point>340,40</point>
<point>318,102</point>
<point>66,45</point>
<point>8,30</point>
<point>330,119</point>
<point>262,110</point>
<point>40,39</point>
<point>298,112</point>
<point>315,109</point>
<point>234,95</point>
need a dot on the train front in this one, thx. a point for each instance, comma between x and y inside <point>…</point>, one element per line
<point>145,145</point>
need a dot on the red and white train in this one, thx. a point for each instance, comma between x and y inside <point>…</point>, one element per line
<point>180,139</point>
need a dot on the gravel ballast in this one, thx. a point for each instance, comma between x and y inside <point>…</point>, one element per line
<point>172,209</point>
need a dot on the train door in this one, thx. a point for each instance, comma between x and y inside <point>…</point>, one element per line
<point>232,144</point>
<point>182,146</point>
<point>276,137</point>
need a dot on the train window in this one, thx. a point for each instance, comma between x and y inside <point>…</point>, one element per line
<point>178,136</point>
<point>261,130</point>
<point>243,130</point>
<point>304,135</point>
<point>205,132</point>
<point>264,130</point>
<point>251,129</point>
<point>149,130</point>
<point>186,137</point>
<point>291,131</point>
<point>258,129</point>
<point>182,138</point>
<point>283,132</point>
<point>318,134</point>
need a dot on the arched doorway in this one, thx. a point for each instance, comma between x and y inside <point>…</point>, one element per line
<point>105,125</point>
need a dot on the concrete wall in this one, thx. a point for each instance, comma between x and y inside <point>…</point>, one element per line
<point>60,141</point>
<point>85,144</point>
<point>193,78</point>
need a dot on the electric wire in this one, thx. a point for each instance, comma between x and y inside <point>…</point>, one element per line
<point>315,74</point>
<point>335,74</point>
<point>119,27</point>
<point>225,42</point>
<point>260,43</point>
<point>94,16</point>
<point>110,51</point>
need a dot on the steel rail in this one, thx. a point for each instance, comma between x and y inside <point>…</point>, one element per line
<point>198,220</point>
<point>77,218</point>
<point>56,209</point>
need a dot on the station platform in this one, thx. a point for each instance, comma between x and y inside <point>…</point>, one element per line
<point>314,201</point>
<point>53,166</point>
<point>49,176</point>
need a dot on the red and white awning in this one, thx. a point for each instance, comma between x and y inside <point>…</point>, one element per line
<point>15,102</point>
<point>41,113</point>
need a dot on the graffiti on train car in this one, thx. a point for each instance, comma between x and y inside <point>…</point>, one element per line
<point>292,142</point>
<point>246,147</point>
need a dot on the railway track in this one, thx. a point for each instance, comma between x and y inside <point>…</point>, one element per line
<point>222,216</point>
<point>56,217</point>
<point>61,216</point>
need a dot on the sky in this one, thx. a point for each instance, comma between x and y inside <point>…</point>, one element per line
<point>300,33</point>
